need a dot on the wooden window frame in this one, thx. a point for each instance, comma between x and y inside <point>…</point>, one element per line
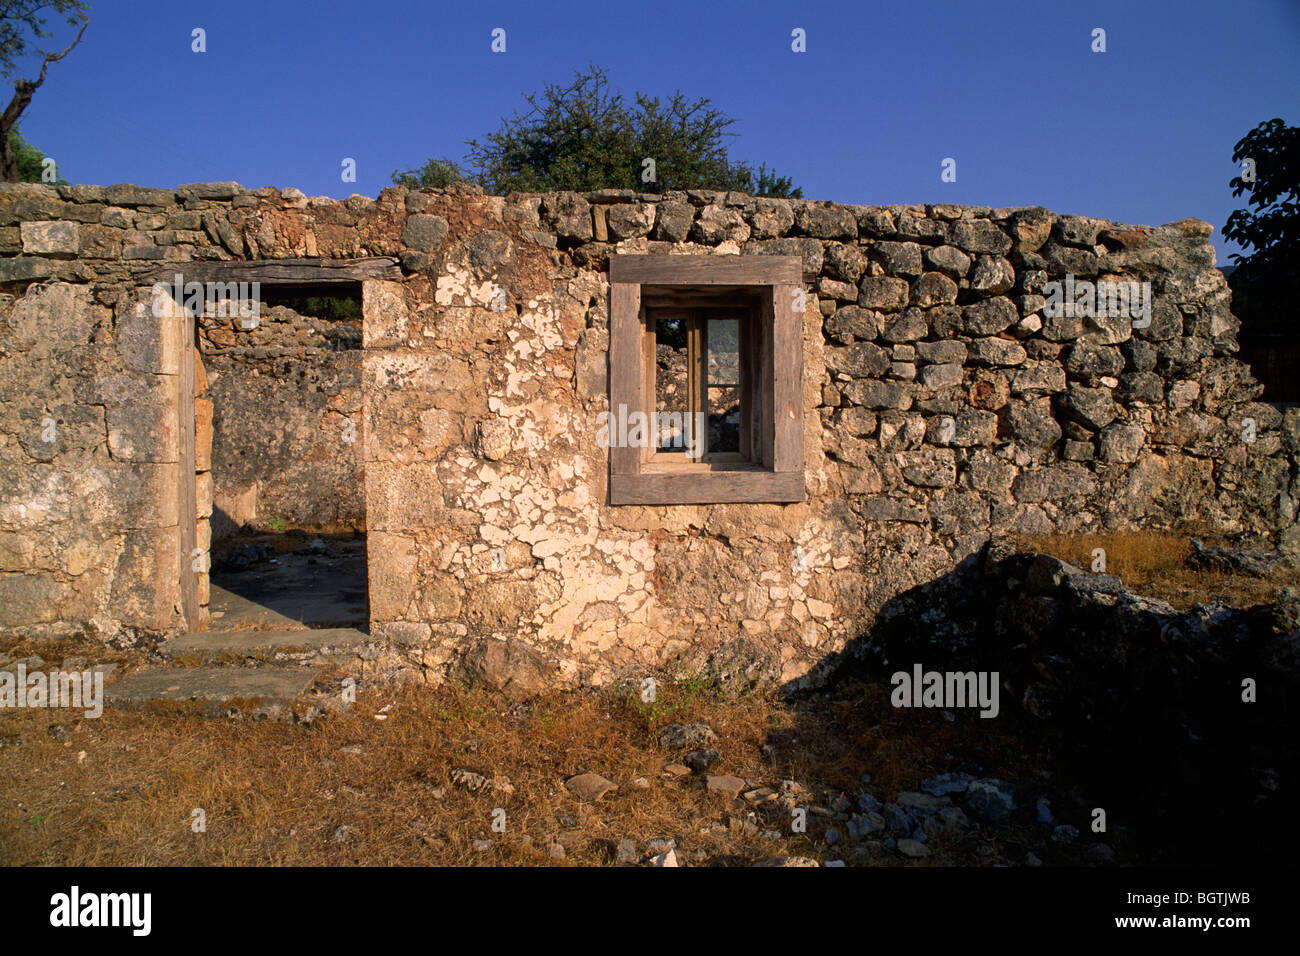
<point>770,285</point>
<point>696,321</point>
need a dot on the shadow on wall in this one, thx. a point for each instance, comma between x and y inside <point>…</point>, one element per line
<point>1114,698</point>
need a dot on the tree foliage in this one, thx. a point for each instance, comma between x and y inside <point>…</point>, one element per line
<point>434,174</point>
<point>18,18</point>
<point>585,136</point>
<point>1265,280</point>
<point>29,159</point>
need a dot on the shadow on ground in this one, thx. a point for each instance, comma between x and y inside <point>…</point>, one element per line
<point>1107,700</point>
<point>288,580</point>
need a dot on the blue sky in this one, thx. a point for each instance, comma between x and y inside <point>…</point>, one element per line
<point>1142,133</point>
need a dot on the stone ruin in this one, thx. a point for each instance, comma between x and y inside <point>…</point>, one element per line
<point>937,396</point>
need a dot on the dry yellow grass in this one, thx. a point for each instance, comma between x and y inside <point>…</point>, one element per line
<point>1155,563</point>
<point>121,789</point>
<point>350,789</point>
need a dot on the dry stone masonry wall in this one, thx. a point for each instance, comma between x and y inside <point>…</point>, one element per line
<point>947,401</point>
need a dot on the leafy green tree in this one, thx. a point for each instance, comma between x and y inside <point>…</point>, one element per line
<point>18,18</point>
<point>586,136</point>
<point>29,159</point>
<point>1265,280</point>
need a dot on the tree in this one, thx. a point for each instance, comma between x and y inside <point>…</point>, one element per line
<point>434,174</point>
<point>17,18</point>
<point>1264,281</point>
<point>585,136</point>
<point>29,160</point>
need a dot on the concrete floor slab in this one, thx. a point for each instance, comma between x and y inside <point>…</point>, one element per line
<point>215,644</point>
<point>255,691</point>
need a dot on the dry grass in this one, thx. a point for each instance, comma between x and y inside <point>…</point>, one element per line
<point>351,789</point>
<point>1155,564</point>
<point>121,789</point>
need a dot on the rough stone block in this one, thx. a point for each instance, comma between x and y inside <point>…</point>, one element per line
<point>60,239</point>
<point>391,570</point>
<point>403,496</point>
<point>146,582</point>
<point>203,434</point>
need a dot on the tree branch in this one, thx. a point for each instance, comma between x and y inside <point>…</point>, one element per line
<point>23,92</point>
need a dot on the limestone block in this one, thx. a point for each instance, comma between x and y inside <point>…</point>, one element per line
<point>391,567</point>
<point>60,239</point>
<point>203,494</point>
<point>203,435</point>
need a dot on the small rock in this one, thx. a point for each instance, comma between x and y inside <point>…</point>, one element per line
<point>1044,811</point>
<point>641,783</point>
<point>473,782</point>
<point>725,784</point>
<point>343,834</point>
<point>556,851</point>
<point>897,819</point>
<point>625,852</point>
<point>913,848</point>
<point>589,786</point>
<point>833,863</point>
<point>761,795</point>
<point>686,735</point>
<point>1065,834</point>
<point>953,818</point>
<point>664,859</point>
<point>676,769</point>
<point>702,759</point>
<point>868,803</point>
<point>991,799</point>
<point>660,845</point>
<point>861,825</point>
<point>832,836</point>
<point>946,783</point>
<point>1031,860</point>
<point>482,846</point>
<point>921,803</point>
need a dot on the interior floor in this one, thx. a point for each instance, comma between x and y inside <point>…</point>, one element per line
<point>289,581</point>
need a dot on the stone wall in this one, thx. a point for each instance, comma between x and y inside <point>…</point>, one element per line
<point>942,406</point>
<point>89,464</point>
<point>286,400</point>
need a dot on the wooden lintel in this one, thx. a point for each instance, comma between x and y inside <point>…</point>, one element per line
<point>306,272</point>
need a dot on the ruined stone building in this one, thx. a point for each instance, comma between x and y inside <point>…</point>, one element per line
<point>857,398</point>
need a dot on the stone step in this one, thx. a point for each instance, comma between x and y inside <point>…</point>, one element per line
<point>323,645</point>
<point>270,692</point>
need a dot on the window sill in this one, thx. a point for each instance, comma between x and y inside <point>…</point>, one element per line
<point>734,484</point>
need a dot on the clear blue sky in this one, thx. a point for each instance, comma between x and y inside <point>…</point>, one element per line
<point>1142,133</point>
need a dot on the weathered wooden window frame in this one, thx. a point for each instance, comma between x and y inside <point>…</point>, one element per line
<point>774,472</point>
